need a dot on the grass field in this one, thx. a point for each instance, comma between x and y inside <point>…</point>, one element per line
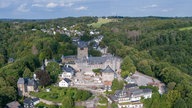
<point>185,28</point>
<point>56,94</point>
<point>100,22</point>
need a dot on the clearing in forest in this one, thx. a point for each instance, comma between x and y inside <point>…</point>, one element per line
<point>186,28</point>
<point>101,21</point>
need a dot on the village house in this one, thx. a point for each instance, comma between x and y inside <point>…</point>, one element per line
<point>26,85</point>
<point>68,72</point>
<point>65,82</point>
<point>130,96</point>
<point>130,105</point>
<point>30,102</point>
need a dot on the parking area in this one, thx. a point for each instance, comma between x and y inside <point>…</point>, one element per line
<point>144,80</point>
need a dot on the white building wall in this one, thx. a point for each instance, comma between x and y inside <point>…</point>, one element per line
<point>147,95</point>
<point>63,84</point>
<point>66,75</point>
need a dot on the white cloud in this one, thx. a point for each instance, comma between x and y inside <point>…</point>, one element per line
<point>51,5</point>
<point>81,8</point>
<point>166,10</point>
<point>23,8</point>
<point>66,4</point>
<point>37,5</point>
<point>151,6</point>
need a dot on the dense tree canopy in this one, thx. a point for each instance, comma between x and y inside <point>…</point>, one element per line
<point>156,46</point>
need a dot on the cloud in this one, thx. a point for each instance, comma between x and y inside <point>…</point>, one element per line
<point>51,5</point>
<point>151,6</point>
<point>66,4</point>
<point>23,8</point>
<point>37,5</point>
<point>81,8</point>
<point>166,10</point>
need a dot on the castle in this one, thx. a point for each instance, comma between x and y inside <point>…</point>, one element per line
<point>109,65</point>
<point>82,59</point>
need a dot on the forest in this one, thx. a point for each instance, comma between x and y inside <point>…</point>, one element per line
<point>156,46</point>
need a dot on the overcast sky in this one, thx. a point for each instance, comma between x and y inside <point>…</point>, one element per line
<point>46,9</point>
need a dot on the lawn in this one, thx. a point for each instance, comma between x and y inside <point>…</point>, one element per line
<point>100,22</point>
<point>102,102</point>
<point>56,94</point>
<point>42,105</point>
<point>185,28</point>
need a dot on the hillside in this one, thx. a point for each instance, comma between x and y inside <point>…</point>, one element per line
<point>156,46</point>
<point>159,47</point>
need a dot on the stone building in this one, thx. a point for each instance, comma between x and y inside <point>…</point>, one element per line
<point>82,50</point>
<point>69,59</point>
<point>107,77</point>
<point>130,96</point>
<point>26,85</point>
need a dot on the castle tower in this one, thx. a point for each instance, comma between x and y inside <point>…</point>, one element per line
<point>21,86</point>
<point>82,50</point>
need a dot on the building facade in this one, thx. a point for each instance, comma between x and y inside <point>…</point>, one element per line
<point>82,50</point>
<point>107,77</point>
<point>26,85</point>
<point>65,83</point>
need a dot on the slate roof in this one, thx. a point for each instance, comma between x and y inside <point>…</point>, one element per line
<point>13,104</point>
<point>27,81</point>
<point>67,80</point>
<point>68,69</point>
<point>128,86</point>
<point>30,82</point>
<point>35,99</point>
<point>122,93</point>
<point>28,101</point>
<point>71,57</point>
<point>21,81</point>
<point>82,44</point>
<point>97,60</point>
<point>108,69</point>
<point>147,90</point>
<point>136,92</point>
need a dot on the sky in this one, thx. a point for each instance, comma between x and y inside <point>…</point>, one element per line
<point>47,9</point>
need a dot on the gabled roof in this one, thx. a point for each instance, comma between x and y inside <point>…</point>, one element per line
<point>68,69</point>
<point>21,81</point>
<point>13,104</point>
<point>70,57</point>
<point>82,44</point>
<point>147,90</point>
<point>35,99</point>
<point>30,82</point>
<point>27,81</point>
<point>128,86</point>
<point>97,60</point>
<point>67,80</point>
<point>28,101</point>
<point>108,70</point>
